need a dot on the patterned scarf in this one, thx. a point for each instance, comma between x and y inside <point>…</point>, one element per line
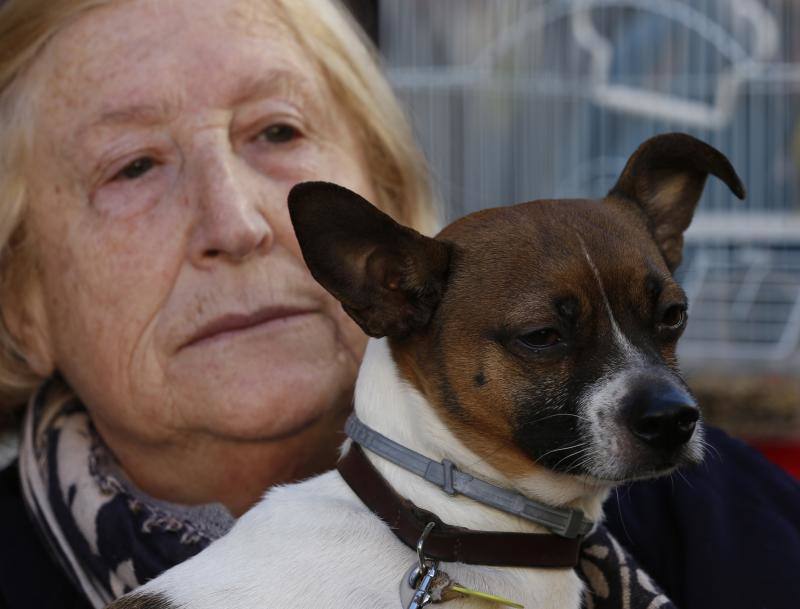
<point>109,537</point>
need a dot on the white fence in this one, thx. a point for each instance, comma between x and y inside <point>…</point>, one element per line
<point>515,100</point>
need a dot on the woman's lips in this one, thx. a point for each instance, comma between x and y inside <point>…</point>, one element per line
<point>236,322</point>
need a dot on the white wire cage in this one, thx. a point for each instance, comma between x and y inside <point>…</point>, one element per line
<point>514,100</point>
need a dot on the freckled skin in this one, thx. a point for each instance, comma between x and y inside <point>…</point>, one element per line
<point>132,268</point>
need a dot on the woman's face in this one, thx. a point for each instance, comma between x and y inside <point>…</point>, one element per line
<point>168,135</point>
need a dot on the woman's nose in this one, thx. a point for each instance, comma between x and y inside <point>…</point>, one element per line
<point>232,211</point>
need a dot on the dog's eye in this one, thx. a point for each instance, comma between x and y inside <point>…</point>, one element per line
<point>541,339</point>
<point>673,318</point>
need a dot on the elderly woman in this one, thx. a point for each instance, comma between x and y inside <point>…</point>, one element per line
<point>150,269</point>
<point>175,355</point>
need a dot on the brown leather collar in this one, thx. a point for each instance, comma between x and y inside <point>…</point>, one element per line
<point>449,543</point>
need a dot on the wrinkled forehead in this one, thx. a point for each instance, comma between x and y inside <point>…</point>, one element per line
<point>151,52</point>
<point>536,252</point>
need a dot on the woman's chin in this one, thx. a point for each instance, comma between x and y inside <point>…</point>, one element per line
<point>259,393</point>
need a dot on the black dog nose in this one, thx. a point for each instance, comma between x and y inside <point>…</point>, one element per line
<point>664,419</point>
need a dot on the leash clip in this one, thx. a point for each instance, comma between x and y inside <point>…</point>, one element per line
<point>421,546</point>
<point>421,577</point>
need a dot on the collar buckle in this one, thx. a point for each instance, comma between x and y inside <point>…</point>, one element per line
<point>573,526</point>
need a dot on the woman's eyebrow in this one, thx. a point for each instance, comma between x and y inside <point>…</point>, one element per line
<point>139,114</point>
<point>294,87</point>
<point>291,85</point>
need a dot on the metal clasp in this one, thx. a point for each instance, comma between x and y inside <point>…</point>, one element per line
<point>421,545</point>
<point>421,577</point>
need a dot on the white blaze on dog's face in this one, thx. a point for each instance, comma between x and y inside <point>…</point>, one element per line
<point>640,412</point>
<point>542,334</point>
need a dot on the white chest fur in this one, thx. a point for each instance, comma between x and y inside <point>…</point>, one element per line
<point>314,544</point>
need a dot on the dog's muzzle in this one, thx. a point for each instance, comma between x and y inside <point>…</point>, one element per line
<point>661,415</point>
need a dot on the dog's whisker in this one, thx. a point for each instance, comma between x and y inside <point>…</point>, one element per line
<point>572,455</point>
<point>560,414</point>
<point>621,518</point>
<point>685,479</point>
<point>590,453</point>
<point>711,448</point>
<point>555,450</point>
<point>585,460</point>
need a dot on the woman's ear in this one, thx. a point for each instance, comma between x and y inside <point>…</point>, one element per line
<point>26,321</point>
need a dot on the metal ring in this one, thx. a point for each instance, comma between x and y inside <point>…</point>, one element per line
<point>421,542</point>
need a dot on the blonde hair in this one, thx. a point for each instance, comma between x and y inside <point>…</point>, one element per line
<point>325,31</point>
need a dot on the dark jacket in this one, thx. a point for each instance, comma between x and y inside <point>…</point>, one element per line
<point>723,535</point>
<point>29,578</point>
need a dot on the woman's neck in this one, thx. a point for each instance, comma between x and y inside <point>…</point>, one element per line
<point>200,470</point>
<point>394,408</point>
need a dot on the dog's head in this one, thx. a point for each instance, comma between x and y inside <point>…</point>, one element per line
<point>543,333</point>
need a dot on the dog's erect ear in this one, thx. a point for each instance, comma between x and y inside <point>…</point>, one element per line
<point>665,177</point>
<point>389,278</point>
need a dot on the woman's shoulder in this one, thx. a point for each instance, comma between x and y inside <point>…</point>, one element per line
<point>28,576</point>
<point>724,533</point>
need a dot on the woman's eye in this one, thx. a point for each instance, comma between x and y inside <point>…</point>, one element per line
<point>135,169</point>
<point>280,133</point>
<point>673,318</point>
<point>541,339</point>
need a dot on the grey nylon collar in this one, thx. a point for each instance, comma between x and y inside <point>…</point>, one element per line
<point>561,521</point>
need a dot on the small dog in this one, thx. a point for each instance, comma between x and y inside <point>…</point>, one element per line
<point>532,346</point>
